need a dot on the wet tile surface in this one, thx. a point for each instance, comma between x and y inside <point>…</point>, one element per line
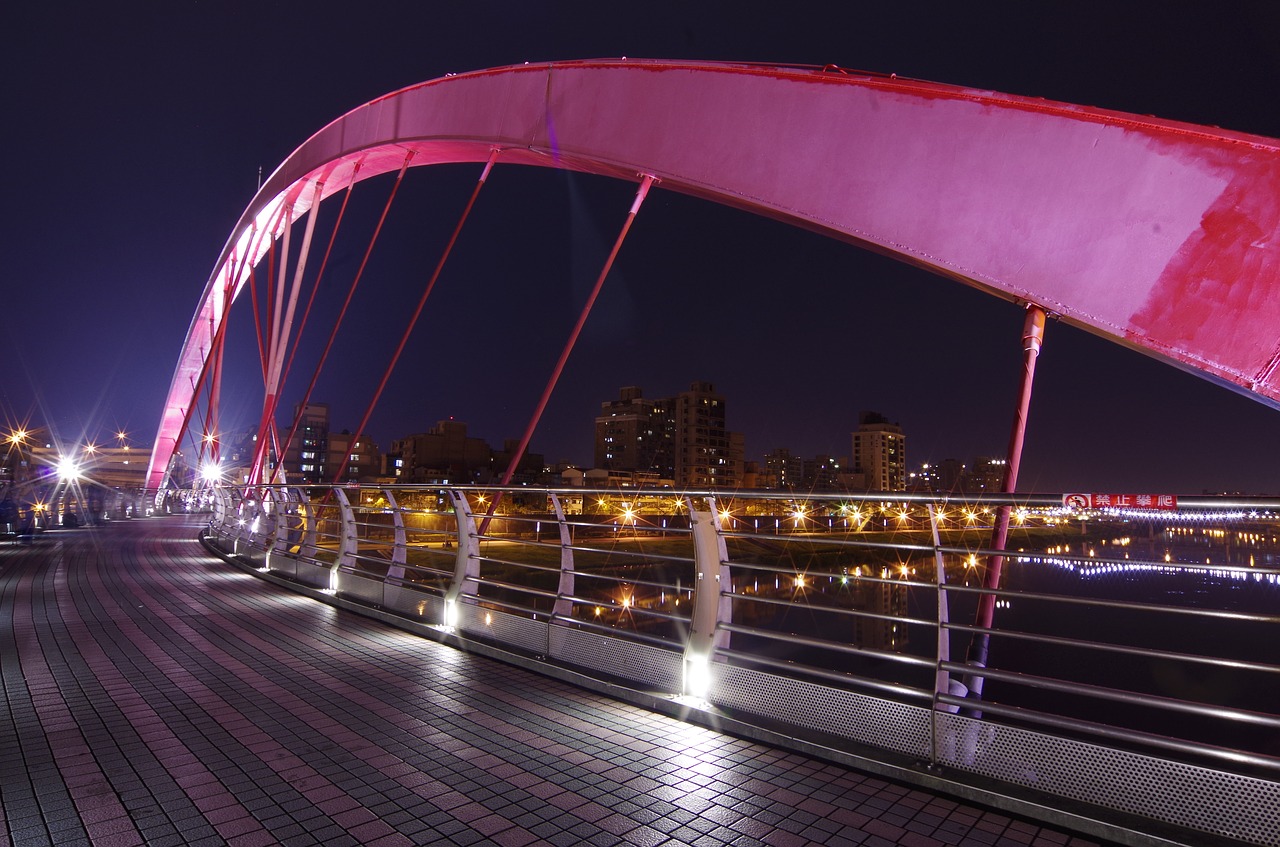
<point>154,695</point>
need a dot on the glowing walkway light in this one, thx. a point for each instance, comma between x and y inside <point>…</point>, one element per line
<point>697,677</point>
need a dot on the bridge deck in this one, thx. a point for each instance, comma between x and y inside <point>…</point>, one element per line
<point>153,695</point>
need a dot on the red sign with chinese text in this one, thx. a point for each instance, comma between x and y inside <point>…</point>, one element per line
<point>1120,501</point>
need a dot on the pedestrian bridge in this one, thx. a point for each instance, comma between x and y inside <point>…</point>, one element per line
<point>1137,704</point>
<point>1130,696</point>
<point>158,694</point>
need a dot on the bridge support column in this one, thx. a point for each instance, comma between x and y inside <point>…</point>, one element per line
<point>1032,341</point>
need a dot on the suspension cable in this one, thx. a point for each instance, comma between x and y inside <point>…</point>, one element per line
<point>253,290</point>
<point>324,263</point>
<point>341,314</point>
<point>422,301</point>
<point>641,193</point>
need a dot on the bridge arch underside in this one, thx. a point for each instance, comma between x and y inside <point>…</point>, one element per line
<point>1158,235</point>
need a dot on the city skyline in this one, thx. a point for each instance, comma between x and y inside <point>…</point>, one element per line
<point>112,240</point>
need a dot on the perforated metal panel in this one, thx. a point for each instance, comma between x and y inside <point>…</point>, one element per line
<point>658,669</point>
<point>417,605</point>
<point>254,555</point>
<point>284,565</point>
<point>368,590</point>
<point>504,627</point>
<point>1238,807</point>
<point>317,576</point>
<point>870,720</point>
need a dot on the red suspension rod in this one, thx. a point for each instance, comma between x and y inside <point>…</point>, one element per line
<point>341,314</point>
<point>422,301</point>
<point>1032,341</point>
<point>641,193</point>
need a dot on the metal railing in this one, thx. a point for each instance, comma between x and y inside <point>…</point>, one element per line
<point>1131,663</point>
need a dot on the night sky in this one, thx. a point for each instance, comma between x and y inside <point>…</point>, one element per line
<point>135,134</point>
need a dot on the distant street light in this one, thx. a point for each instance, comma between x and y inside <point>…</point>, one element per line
<point>68,469</point>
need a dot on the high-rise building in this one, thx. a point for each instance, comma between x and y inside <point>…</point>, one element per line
<point>636,435</point>
<point>880,453</point>
<point>782,470</point>
<point>683,438</point>
<point>307,457</point>
<point>704,448</point>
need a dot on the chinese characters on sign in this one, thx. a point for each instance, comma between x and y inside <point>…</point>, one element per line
<point>1120,501</point>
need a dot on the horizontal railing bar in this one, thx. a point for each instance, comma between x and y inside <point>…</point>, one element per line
<point>519,589</point>
<point>815,574</point>
<point>832,609</point>
<point>663,557</point>
<point>1154,701</point>
<point>844,679</point>
<point>833,542</point>
<point>650,530</point>
<point>420,587</point>
<point>1124,649</point>
<point>618,607</point>
<point>505,605</point>
<point>834,646</point>
<point>627,634</point>
<point>1023,557</point>
<point>528,566</point>
<point>1114,604</point>
<point>662,586</point>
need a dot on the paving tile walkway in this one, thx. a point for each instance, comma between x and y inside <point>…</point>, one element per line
<point>154,695</point>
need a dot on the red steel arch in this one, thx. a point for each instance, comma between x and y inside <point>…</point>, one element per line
<point>1155,234</point>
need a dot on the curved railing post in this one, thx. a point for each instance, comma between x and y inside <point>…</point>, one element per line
<point>222,510</point>
<point>399,552</point>
<point>711,605</point>
<point>219,511</point>
<point>563,607</point>
<point>308,527</point>
<point>239,523</point>
<point>466,567</point>
<point>271,515</point>
<point>346,537</point>
<point>942,682</point>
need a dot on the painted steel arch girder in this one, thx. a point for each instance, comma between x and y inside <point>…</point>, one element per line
<point>1155,234</point>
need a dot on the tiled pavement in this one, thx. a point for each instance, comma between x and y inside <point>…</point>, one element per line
<point>154,695</point>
